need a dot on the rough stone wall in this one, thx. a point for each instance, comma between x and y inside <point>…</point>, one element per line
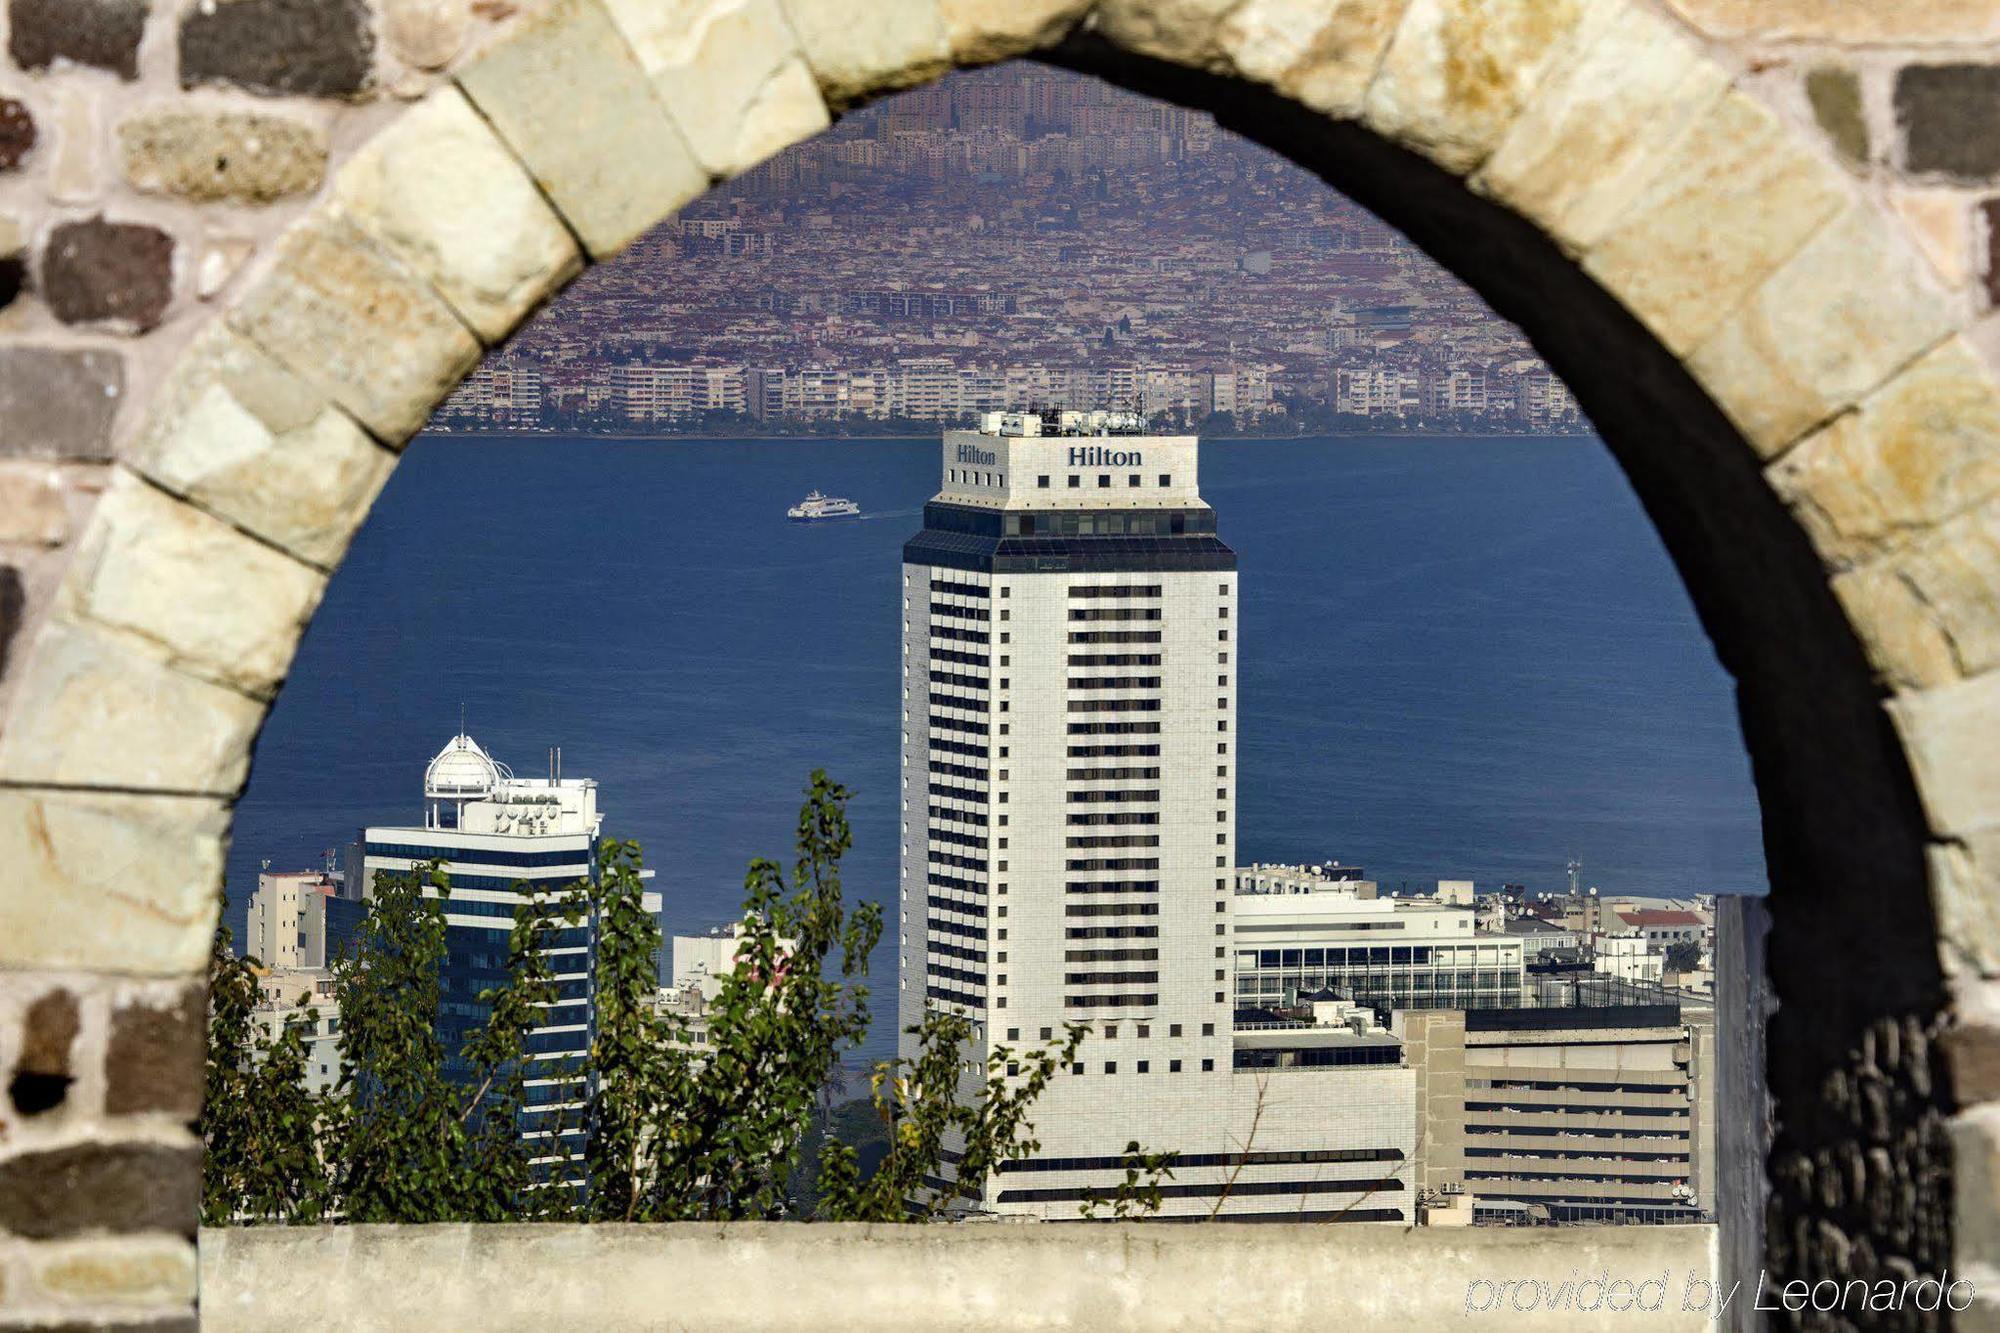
<point>246,245</point>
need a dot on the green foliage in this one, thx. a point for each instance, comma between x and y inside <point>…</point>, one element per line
<point>1683,956</point>
<point>402,1144</point>
<point>738,1125</point>
<point>929,1102</point>
<point>731,1122</point>
<point>261,1128</point>
<point>1139,1193</point>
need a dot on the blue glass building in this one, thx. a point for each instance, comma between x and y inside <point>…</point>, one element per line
<point>495,832</point>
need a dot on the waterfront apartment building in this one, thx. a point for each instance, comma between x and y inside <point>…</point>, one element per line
<point>494,833</point>
<point>299,919</point>
<point>1301,929</point>
<point>1070,639</point>
<point>1593,1103</point>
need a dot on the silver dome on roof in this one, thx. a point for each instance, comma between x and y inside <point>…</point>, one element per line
<point>462,771</point>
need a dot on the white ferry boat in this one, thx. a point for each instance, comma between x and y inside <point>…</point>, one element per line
<point>816,507</point>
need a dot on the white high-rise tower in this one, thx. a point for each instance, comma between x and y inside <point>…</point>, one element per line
<point>1068,825</point>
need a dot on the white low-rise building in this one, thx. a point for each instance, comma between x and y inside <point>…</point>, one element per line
<point>1391,953</point>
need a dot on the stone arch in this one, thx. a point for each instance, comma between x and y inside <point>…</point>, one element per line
<point>1802,400</point>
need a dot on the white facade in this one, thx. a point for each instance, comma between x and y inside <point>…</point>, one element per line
<point>1630,957</point>
<point>279,929</point>
<point>291,997</point>
<point>1296,937</point>
<point>1068,829</point>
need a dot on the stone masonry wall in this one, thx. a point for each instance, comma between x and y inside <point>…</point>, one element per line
<point>247,245</point>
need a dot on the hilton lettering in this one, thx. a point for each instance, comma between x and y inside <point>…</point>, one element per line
<point>1098,456</point>
<point>969,454</point>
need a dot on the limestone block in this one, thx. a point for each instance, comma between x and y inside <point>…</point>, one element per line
<point>1922,448</point>
<point>1832,323</point>
<point>1458,71</point>
<point>358,326</point>
<point>1318,53</point>
<point>1736,197</point>
<point>1975,1178</point>
<point>32,509</point>
<point>1906,21</point>
<point>1952,736</point>
<point>567,93</point>
<point>1591,135</point>
<point>207,156</point>
<point>95,709</point>
<point>982,31</point>
<point>108,882</point>
<point>1906,646</point>
<point>1186,32</point>
<point>440,192</point>
<point>213,602</point>
<point>731,73</point>
<point>858,48</point>
<point>1965,888</point>
<point>241,436</point>
<point>1930,613</point>
<point>151,1270</point>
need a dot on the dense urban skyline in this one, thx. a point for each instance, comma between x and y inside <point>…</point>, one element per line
<point>1011,238</point>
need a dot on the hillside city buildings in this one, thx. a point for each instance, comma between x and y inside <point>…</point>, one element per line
<point>1005,240</point>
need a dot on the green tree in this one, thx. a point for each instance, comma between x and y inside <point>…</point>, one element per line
<point>927,1100</point>
<point>1683,956</point>
<point>1139,1193</point>
<point>732,1118</point>
<point>672,1128</point>
<point>261,1128</point>
<point>401,1142</point>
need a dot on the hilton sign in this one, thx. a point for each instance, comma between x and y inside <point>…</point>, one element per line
<point>1098,456</point>
<point>973,454</point>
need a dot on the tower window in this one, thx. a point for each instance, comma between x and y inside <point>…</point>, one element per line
<point>1166,480</point>
<point>1132,480</point>
<point>1041,483</point>
<point>1104,481</point>
<point>1074,481</point>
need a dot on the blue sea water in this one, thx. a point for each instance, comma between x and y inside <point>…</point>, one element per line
<point>1460,658</point>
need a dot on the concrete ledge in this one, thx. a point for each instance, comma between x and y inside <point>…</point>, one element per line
<point>825,1277</point>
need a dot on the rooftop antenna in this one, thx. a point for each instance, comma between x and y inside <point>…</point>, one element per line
<point>461,717</point>
<point>1575,869</point>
